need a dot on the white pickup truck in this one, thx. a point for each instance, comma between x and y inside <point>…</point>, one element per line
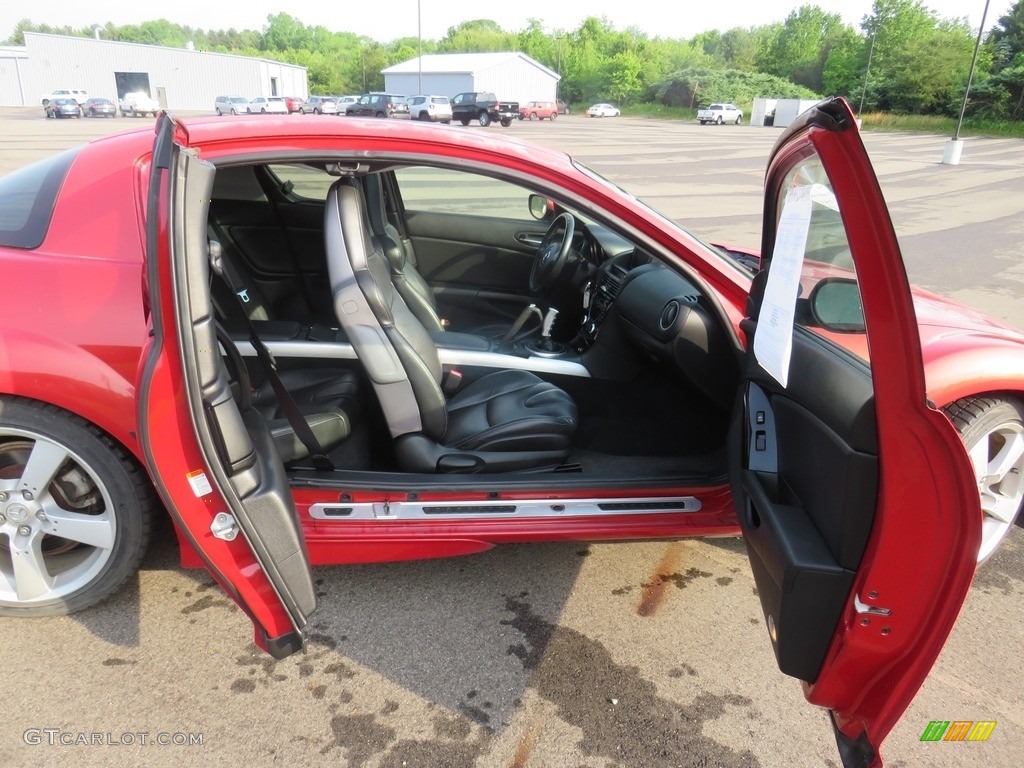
<point>138,103</point>
<point>65,93</point>
<point>723,112</point>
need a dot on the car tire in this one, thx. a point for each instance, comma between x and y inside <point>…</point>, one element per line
<point>719,121</point>
<point>464,120</point>
<point>552,116</point>
<point>533,116</point>
<point>217,110</point>
<point>739,120</point>
<point>96,492</point>
<point>506,122</point>
<point>316,111</point>
<point>484,119</point>
<point>992,430</point>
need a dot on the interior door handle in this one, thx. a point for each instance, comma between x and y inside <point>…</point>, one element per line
<point>529,238</point>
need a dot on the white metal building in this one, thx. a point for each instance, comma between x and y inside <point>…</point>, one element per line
<point>178,78</point>
<point>13,66</point>
<point>510,76</point>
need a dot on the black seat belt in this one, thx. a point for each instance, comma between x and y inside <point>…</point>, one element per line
<point>284,398</point>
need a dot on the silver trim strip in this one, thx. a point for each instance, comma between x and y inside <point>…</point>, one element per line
<point>502,509</point>
<point>496,360</point>
<point>345,351</point>
<point>320,349</point>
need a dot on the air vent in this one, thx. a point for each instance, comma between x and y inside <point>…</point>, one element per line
<point>669,315</point>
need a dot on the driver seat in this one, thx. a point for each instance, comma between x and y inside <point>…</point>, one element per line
<point>504,421</point>
<point>414,289</point>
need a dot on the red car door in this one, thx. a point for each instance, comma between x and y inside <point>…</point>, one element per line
<point>211,458</point>
<point>854,493</point>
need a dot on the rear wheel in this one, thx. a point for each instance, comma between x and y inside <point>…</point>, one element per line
<point>75,512</point>
<point>553,115</point>
<point>992,429</point>
<point>484,119</point>
<point>739,119</point>
<point>464,120</point>
<point>506,122</point>
<point>719,121</point>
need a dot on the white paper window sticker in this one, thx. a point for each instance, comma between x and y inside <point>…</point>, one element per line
<point>773,339</point>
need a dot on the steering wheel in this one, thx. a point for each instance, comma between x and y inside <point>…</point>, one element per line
<point>553,252</point>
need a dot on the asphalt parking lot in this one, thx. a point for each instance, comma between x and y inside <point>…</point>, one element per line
<point>637,655</point>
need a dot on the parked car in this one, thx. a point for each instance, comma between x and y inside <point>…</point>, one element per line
<point>97,106</point>
<point>231,105</point>
<point>684,389</point>
<point>320,105</point>
<point>379,105</point>
<point>63,107</point>
<point>437,109</point>
<point>80,96</point>
<point>344,102</point>
<point>294,103</point>
<point>563,108</point>
<point>603,110</point>
<point>538,110</point>
<point>138,103</point>
<point>723,112</point>
<point>268,105</point>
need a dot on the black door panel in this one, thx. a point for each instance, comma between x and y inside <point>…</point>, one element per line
<point>478,266</point>
<point>809,489</point>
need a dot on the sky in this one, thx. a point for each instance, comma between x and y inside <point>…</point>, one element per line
<point>386,20</point>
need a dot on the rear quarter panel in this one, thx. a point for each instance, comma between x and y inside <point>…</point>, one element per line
<point>72,332</point>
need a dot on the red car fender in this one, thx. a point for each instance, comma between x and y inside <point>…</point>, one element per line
<point>65,375</point>
<point>968,364</point>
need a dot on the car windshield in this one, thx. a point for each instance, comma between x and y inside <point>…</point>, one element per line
<point>744,266</point>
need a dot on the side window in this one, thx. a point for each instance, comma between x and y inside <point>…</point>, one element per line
<point>27,197</point>
<point>308,183</point>
<point>442,190</point>
<point>812,262</point>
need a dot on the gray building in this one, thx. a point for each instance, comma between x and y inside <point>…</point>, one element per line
<point>511,76</point>
<point>179,78</point>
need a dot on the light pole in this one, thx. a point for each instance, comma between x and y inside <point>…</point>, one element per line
<point>867,73</point>
<point>955,146</point>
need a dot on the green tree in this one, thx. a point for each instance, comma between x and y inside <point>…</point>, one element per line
<point>920,62</point>
<point>802,46</point>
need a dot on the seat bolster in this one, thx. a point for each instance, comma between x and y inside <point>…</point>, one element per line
<point>419,297</point>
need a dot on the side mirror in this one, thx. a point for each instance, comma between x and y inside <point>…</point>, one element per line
<point>835,305</point>
<point>541,207</point>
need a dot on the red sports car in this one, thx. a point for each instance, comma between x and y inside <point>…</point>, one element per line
<point>354,342</point>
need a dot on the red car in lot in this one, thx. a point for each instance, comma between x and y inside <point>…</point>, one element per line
<point>334,343</point>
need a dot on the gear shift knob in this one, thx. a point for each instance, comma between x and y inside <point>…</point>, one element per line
<point>549,322</point>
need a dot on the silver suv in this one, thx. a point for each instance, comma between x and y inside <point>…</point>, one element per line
<point>437,109</point>
<point>320,105</point>
<point>230,105</point>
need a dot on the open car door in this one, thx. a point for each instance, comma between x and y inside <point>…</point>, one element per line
<point>211,457</point>
<point>854,493</point>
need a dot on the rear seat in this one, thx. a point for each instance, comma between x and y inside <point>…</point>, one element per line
<point>328,398</point>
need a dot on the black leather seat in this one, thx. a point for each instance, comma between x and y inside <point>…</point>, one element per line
<point>326,398</point>
<point>416,292</point>
<point>504,421</point>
